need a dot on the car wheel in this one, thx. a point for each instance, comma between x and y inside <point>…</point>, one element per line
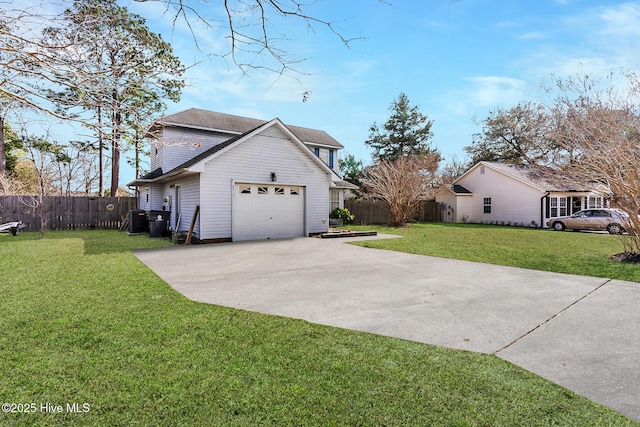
<point>615,229</point>
<point>558,226</point>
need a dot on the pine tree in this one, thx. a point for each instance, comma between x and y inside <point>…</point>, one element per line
<point>406,132</point>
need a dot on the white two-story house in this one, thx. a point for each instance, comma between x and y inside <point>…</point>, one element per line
<point>250,179</point>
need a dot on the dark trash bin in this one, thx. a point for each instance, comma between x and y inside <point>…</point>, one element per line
<point>158,221</point>
<point>156,228</point>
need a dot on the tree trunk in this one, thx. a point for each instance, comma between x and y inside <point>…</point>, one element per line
<point>100,155</point>
<point>3,161</point>
<point>115,165</point>
<point>137,160</point>
<point>115,144</point>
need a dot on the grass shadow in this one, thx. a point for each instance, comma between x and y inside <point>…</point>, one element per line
<point>96,242</point>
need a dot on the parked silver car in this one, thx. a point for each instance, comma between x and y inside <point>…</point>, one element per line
<point>611,220</point>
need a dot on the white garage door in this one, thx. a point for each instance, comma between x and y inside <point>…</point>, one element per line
<point>268,212</point>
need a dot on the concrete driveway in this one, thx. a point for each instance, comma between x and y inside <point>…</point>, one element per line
<point>580,332</point>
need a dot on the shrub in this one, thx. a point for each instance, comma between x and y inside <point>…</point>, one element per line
<point>343,214</point>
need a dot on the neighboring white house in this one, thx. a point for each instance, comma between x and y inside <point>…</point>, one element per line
<point>499,193</point>
<point>251,179</point>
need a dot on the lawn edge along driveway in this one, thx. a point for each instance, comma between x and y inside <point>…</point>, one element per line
<point>574,330</point>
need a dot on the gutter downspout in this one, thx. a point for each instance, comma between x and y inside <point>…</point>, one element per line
<point>542,208</point>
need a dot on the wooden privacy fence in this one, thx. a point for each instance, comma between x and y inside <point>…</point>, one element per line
<point>66,212</point>
<point>378,212</point>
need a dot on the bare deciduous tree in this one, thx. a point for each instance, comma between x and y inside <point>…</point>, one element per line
<point>41,162</point>
<point>69,59</point>
<point>601,128</point>
<point>519,135</point>
<point>452,170</point>
<point>403,183</point>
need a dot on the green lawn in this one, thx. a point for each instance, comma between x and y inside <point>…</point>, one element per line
<point>84,322</point>
<point>585,254</point>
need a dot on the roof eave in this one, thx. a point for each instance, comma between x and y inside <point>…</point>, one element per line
<point>343,185</point>
<point>162,178</point>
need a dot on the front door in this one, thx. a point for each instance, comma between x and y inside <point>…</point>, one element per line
<point>576,205</point>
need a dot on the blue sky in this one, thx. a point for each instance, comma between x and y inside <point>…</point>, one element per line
<point>455,59</point>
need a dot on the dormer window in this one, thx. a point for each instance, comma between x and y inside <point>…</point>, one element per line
<point>316,151</point>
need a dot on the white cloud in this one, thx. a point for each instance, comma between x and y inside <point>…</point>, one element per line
<point>621,21</point>
<point>488,91</point>
<point>591,41</point>
<point>581,66</point>
<point>618,33</point>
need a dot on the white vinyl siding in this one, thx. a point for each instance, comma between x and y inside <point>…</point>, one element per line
<point>188,200</point>
<point>157,151</point>
<point>457,207</point>
<point>512,201</point>
<point>253,161</point>
<point>179,145</point>
<point>156,196</point>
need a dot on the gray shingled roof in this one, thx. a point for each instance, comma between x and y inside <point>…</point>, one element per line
<point>153,174</point>
<point>459,189</point>
<point>544,178</point>
<point>210,120</point>
<point>158,173</point>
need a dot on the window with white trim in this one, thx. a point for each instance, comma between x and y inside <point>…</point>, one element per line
<point>245,189</point>
<point>486,205</point>
<point>595,202</point>
<point>563,206</point>
<point>558,207</point>
<point>335,200</point>
<point>263,190</point>
<point>278,191</point>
